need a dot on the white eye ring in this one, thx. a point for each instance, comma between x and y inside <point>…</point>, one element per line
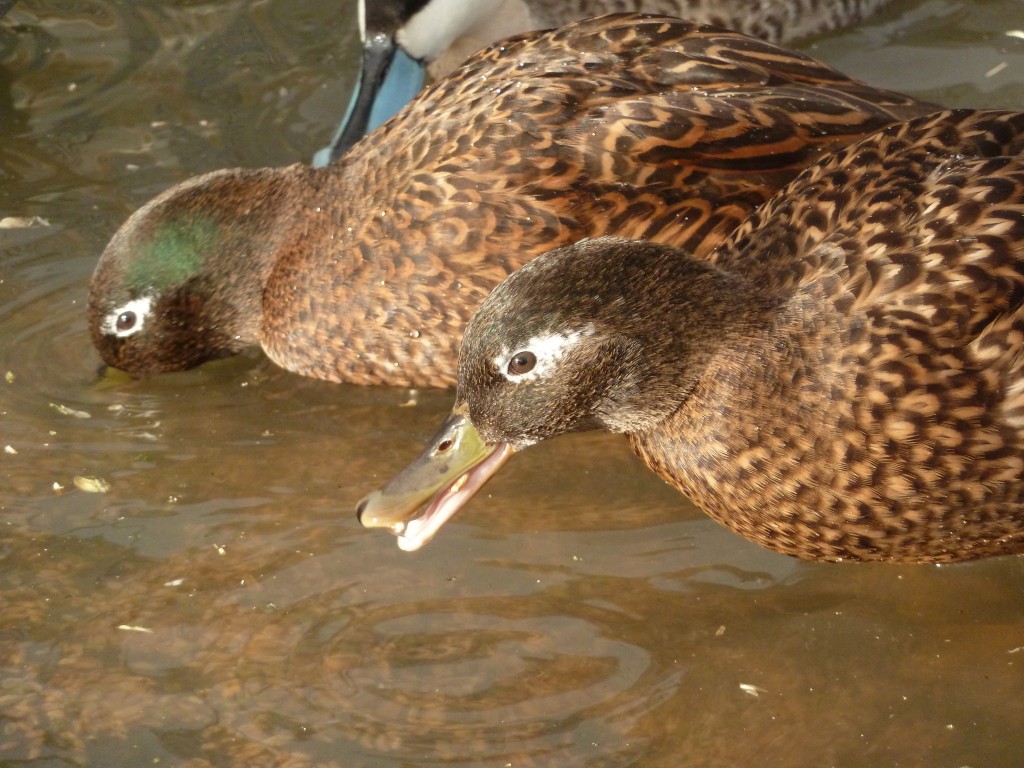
<point>545,352</point>
<point>129,318</point>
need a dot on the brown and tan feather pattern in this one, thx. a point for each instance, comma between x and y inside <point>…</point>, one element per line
<point>777,21</point>
<point>638,126</point>
<point>843,379</point>
<point>886,418</point>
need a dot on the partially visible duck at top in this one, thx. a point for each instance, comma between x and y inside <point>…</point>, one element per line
<point>367,271</point>
<point>404,41</point>
<point>843,379</point>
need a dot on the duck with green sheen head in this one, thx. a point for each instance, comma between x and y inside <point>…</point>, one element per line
<point>368,270</point>
<point>843,379</point>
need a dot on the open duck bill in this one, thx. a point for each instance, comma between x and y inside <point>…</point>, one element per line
<point>455,465</point>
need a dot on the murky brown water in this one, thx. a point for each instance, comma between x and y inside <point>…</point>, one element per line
<point>221,606</point>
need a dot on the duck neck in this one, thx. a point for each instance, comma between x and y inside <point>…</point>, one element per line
<point>691,315</point>
<point>250,229</point>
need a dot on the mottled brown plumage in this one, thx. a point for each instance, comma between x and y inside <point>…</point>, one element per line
<point>439,35</point>
<point>777,21</point>
<point>367,271</point>
<point>842,379</point>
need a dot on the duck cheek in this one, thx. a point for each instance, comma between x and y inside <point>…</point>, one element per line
<point>128,355</point>
<point>151,352</point>
<point>120,353</point>
<point>519,425</point>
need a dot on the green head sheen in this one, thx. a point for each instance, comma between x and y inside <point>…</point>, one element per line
<point>172,253</point>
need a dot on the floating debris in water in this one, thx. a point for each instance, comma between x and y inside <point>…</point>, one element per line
<point>134,628</point>
<point>63,410</point>
<point>752,690</point>
<point>91,484</point>
<point>9,377</point>
<point>23,222</point>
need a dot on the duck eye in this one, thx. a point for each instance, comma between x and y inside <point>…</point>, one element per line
<point>125,321</point>
<point>129,318</point>
<point>522,362</point>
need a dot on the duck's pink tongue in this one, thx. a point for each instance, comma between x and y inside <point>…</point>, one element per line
<point>421,498</point>
<point>416,532</point>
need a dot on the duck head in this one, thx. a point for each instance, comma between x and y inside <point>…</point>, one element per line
<point>575,340</point>
<point>180,282</point>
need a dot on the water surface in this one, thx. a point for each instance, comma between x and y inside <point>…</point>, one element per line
<point>220,606</point>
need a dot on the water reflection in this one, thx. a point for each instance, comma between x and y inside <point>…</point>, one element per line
<point>221,606</point>
<point>293,656</point>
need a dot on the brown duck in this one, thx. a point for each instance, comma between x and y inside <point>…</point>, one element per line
<point>404,40</point>
<point>368,270</point>
<point>843,378</point>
